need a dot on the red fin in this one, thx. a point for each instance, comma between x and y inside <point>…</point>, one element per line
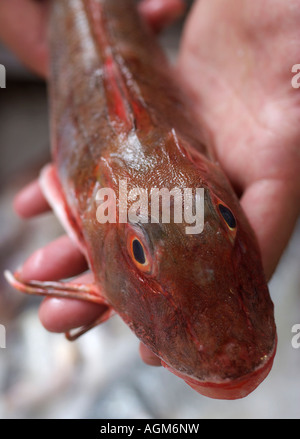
<point>73,335</point>
<point>81,291</point>
<point>124,102</point>
<point>51,189</point>
<point>69,290</point>
<point>116,93</point>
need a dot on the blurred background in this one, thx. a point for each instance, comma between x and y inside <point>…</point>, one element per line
<point>42,375</point>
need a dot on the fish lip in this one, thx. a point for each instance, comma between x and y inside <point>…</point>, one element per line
<point>231,389</point>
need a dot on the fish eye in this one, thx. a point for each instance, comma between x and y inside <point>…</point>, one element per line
<point>227,216</point>
<point>138,253</point>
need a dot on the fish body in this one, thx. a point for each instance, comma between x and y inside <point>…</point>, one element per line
<point>199,301</point>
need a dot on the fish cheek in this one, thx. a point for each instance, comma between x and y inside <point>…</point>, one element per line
<point>122,282</point>
<point>141,304</point>
<point>115,273</point>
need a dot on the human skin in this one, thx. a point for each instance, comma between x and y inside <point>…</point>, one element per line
<point>236,64</point>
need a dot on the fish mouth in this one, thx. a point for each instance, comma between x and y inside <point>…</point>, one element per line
<point>231,389</point>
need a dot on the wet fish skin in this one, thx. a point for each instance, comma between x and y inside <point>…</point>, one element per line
<point>117,113</point>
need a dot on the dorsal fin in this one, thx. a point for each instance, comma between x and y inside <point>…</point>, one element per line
<point>124,105</point>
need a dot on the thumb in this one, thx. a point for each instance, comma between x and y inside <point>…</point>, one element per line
<point>272,207</point>
<point>161,13</point>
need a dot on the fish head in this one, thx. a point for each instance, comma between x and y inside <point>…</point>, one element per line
<point>215,284</point>
<point>195,294</point>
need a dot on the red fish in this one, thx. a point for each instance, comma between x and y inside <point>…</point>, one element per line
<point>199,301</point>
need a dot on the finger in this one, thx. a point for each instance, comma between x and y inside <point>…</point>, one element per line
<point>60,259</point>
<point>272,207</point>
<point>23,28</point>
<point>148,357</point>
<point>63,315</point>
<point>161,13</point>
<point>30,201</point>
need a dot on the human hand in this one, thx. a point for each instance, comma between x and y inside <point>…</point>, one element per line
<point>236,61</point>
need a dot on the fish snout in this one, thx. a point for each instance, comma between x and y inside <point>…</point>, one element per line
<point>231,388</point>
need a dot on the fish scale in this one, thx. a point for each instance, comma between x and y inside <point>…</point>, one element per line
<point>200,301</point>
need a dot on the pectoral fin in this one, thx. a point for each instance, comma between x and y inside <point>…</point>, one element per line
<point>81,291</point>
<point>52,191</point>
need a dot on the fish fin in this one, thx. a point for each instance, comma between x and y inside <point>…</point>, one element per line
<point>73,335</point>
<point>81,291</point>
<point>52,192</point>
<point>70,290</point>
